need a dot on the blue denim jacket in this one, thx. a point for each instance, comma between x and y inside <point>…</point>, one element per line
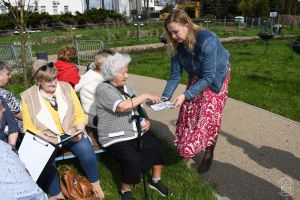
<point>209,61</point>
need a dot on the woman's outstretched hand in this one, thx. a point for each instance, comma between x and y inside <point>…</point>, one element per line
<point>179,100</point>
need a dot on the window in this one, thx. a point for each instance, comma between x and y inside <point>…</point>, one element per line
<point>66,9</point>
<point>31,8</point>
<point>43,9</point>
<point>158,3</point>
<point>54,9</point>
<point>55,3</point>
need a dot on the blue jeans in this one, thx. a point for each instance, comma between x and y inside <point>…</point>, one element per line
<point>87,157</point>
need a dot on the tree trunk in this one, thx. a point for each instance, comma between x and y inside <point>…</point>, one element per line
<point>22,26</point>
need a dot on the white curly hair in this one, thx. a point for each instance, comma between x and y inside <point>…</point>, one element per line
<point>113,64</point>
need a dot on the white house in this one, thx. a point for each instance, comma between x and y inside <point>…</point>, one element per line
<point>120,6</point>
<point>154,5</point>
<point>125,6</point>
<point>52,6</point>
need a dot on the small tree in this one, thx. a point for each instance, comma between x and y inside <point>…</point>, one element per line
<point>19,19</point>
<point>246,7</point>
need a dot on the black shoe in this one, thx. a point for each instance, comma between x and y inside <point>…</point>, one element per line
<point>206,161</point>
<point>161,188</point>
<point>126,196</point>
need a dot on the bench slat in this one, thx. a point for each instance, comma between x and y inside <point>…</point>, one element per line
<point>70,155</point>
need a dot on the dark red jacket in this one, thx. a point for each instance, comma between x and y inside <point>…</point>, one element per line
<point>67,72</point>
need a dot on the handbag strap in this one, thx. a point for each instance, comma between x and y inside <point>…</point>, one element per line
<point>61,171</point>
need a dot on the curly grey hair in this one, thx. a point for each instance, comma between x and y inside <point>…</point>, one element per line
<point>4,65</point>
<point>113,64</point>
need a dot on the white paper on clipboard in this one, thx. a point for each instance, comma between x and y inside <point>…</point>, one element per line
<point>35,153</point>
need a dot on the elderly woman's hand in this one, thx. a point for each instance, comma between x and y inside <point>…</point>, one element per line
<point>152,98</point>
<point>146,125</point>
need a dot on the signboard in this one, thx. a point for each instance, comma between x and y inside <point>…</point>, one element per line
<point>273,14</point>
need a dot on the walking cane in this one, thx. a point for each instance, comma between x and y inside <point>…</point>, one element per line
<point>139,148</point>
<point>142,113</point>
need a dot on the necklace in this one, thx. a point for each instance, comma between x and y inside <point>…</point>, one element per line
<point>52,100</point>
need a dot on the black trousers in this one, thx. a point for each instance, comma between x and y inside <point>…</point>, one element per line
<point>132,160</point>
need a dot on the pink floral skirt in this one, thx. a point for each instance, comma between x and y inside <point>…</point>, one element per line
<point>199,121</point>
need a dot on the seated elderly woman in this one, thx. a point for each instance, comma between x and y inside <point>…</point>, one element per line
<point>117,128</point>
<point>87,87</point>
<point>51,109</point>
<point>12,101</point>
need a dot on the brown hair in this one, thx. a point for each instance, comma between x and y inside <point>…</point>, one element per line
<point>43,75</point>
<point>67,54</point>
<point>181,17</point>
<point>101,57</point>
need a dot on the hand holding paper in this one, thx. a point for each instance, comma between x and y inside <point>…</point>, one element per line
<point>162,106</point>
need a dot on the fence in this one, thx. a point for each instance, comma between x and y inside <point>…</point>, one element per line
<point>254,22</point>
<point>87,49</point>
<point>12,54</point>
<point>289,20</point>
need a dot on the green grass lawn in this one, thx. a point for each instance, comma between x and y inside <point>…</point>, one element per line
<point>270,81</point>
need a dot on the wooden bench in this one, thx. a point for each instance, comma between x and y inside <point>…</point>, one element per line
<point>230,29</point>
<point>66,154</point>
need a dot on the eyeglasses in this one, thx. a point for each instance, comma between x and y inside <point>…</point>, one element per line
<point>44,68</point>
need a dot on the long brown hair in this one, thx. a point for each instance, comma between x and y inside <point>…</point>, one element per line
<point>181,17</point>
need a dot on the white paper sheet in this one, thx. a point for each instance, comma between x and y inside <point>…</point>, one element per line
<point>35,153</point>
<point>162,106</point>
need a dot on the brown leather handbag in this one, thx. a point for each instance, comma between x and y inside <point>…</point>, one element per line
<point>74,186</point>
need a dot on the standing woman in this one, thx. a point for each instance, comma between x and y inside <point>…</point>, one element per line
<point>202,56</point>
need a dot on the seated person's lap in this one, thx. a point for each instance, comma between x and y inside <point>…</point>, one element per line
<point>152,150</point>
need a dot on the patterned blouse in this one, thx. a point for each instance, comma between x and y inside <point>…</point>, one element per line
<point>13,103</point>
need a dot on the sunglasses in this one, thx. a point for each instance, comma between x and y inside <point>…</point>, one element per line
<point>44,68</point>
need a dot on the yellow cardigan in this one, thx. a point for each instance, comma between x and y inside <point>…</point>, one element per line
<point>78,112</point>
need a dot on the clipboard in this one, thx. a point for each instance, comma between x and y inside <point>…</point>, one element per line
<point>38,155</point>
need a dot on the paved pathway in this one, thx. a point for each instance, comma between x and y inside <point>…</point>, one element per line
<point>257,155</point>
